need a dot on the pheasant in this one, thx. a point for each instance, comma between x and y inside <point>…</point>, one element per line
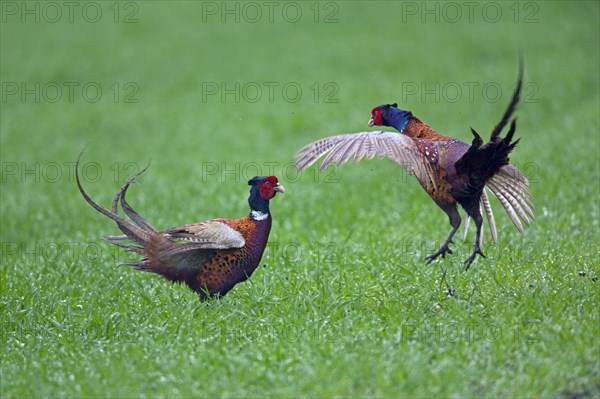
<point>451,171</point>
<point>210,257</point>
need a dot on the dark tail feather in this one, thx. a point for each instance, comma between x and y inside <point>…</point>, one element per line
<point>512,106</point>
<point>477,141</point>
<point>509,136</point>
<point>139,233</point>
<point>160,255</point>
<point>116,240</point>
<point>129,211</point>
<point>481,162</point>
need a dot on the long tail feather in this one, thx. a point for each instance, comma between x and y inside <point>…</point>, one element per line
<point>482,161</point>
<point>132,231</point>
<point>129,211</point>
<point>512,106</point>
<point>115,240</point>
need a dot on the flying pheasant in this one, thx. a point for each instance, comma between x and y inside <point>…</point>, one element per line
<point>451,171</point>
<point>210,257</point>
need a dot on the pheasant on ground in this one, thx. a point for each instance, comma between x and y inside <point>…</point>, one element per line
<point>210,257</point>
<point>451,171</point>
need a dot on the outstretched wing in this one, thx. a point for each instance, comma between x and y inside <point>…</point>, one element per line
<point>214,234</point>
<point>418,157</point>
<point>511,188</point>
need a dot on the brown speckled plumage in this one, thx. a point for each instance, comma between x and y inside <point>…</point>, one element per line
<point>231,266</point>
<point>210,257</point>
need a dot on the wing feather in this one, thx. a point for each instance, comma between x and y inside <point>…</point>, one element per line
<point>364,147</point>
<point>515,205</point>
<point>339,149</point>
<point>213,234</point>
<point>516,190</point>
<point>508,206</point>
<point>490,215</point>
<point>512,189</point>
<point>521,198</point>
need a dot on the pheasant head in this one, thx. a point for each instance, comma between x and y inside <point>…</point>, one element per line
<point>389,115</point>
<point>263,189</point>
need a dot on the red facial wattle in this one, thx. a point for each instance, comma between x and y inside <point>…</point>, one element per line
<point>377,116</point>
<point>269,187</point>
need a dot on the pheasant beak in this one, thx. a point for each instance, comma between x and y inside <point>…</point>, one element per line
<point>371,122</point>
<point>279,188</point>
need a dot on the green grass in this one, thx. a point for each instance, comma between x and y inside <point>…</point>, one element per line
<point>345,306</point>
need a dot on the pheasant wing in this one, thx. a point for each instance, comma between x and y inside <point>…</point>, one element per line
<point>179,252</point>
<point>512,190</point>
<point>214,234</point>
<point>414,156</point>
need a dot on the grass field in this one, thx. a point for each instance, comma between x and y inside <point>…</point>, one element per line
<point>213,93</point>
